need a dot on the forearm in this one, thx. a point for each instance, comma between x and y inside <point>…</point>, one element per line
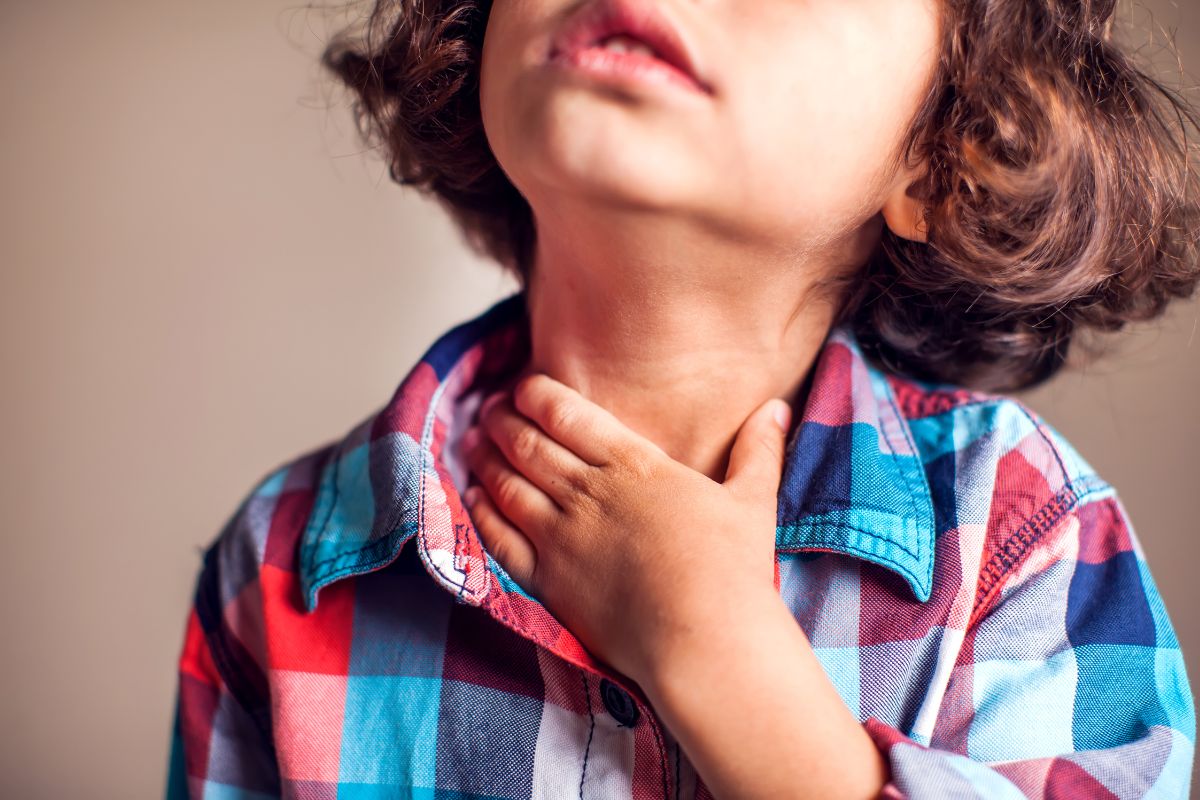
<point>755,712</point>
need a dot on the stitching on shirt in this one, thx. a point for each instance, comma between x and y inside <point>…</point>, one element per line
<point>663,755</point>
<point>352,556</point>
<point>486,338</point>
<point>1029,533</point>
<point>461,562</point>
<point>1066,476</point>
<point>306,553</point>
<point>592,727</point>
<point>807,526</point>
<point>515,624</point>
<point>891,399</point>
<point>1019,542</point>
<point>357,549</point>
<point>548,645</point>
<point>246,688</point>
<point>839,546</point>
<point>383,543</point>
<point>426,454</point>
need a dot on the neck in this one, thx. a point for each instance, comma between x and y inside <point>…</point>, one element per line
<point>679,336</point>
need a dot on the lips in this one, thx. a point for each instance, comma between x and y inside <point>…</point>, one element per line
<point>639,19</point>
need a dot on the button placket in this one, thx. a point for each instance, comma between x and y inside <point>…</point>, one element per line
<point>628,712</point>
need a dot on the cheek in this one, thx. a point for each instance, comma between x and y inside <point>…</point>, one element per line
<point>800,156</point>
<point>815,123</point>
<point>516,33</point>
<point>495,82</point>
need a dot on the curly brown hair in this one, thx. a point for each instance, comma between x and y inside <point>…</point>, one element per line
<point>1059,188</point>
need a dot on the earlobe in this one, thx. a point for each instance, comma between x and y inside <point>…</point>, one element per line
<point>905,214</point>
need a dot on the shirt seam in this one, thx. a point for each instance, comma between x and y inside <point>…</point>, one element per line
<point>239,682</point>
<point>895,457</point>
<point>814,525</point>
<point>426,456</point>
<point>841,546</point>
<point>1018,544</point>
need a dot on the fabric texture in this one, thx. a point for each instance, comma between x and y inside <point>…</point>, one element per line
<point>973,588</point>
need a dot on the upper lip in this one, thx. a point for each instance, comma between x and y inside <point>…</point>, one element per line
<point>640,19</point>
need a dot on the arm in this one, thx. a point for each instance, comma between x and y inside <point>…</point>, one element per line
<point>221,743</point>
<point>757,692</point>
<point>1071,684</point>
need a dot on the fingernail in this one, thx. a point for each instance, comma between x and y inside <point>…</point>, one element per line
<point>471,495</point>
<point>783,414</point>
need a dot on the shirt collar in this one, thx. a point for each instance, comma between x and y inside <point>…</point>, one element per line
<point>853,481</point>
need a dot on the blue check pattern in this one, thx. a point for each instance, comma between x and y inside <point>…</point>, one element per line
<point>973,588</point>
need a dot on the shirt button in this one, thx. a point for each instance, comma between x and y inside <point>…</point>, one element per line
<point>618,702</point>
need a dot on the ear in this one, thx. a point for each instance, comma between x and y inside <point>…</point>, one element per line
<point>904,212</point>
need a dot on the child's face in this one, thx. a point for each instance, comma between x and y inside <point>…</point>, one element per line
<point>810,99</point>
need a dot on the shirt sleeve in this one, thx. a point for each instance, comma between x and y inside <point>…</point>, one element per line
<point>222,744</point>
<point>1069,682</point>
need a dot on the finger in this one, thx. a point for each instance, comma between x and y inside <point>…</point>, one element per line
<point>515,496</point>
<point>756,460</point>
<point>587,429</point>
<point>551,466</point>
<point>505,543</point>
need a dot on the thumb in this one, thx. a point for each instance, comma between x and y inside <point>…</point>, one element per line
<point>756,460</point>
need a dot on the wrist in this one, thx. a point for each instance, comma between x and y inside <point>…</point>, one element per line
<point>743,683</point>
<point>741,623</point>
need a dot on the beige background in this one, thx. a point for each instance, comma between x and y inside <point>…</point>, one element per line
<point>204,276</point>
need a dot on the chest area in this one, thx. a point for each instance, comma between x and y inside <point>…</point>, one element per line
<point>400,691</point>
<point>392,688</point>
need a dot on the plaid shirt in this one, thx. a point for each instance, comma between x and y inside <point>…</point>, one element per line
<point>971,586</point>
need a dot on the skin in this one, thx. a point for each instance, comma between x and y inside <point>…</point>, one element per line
<point>682,237</point>
<point>623,544</point>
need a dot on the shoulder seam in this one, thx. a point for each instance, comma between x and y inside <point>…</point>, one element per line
<point>246,685</point>
<point>1021,541</point>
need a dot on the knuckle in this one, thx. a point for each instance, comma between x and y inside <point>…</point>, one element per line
<point>508,491</point>
<point>584,485</point>
<point>525,444</point>
<point>560,416</point>
<point>584,502</point>
<point>638,463</point>
<point>579,481</point>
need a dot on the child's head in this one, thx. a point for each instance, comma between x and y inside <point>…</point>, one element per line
<point>1018,178</point>
<point>793,143</point>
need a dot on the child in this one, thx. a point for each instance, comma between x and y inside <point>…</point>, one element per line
<point>883,213</point>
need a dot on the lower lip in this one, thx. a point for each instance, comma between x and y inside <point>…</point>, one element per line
<point>606,64</point>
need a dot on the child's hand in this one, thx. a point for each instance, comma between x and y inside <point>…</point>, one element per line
<point>628,548</point>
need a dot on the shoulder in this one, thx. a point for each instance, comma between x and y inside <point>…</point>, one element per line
<point>345,505</point>
<point>1019,494</point>
<point>251,557</point>
<point>1006,455</point>
<point>268,519</point>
